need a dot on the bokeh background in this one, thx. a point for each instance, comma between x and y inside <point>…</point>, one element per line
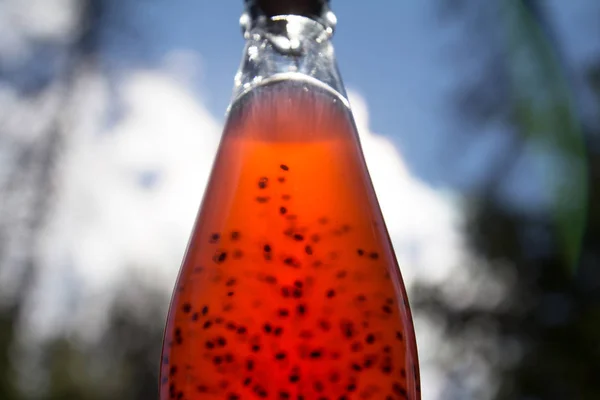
<point>480,122</point>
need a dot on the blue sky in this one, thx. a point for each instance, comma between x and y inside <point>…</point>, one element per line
<point>387,53</point>
<point>405,57</point>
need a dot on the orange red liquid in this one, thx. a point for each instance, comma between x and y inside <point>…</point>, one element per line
<point>289,288</point>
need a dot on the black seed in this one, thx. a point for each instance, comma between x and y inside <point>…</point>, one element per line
<point>262,199</point>
<point>281,179</point>
<point>285,291</point>
<point>291,262</point>
<point>280,355</point>
<point>204,310</point>
<point>316,354</point>
<point>214,238</point>
<point>399,335</point>
<point>360,252</point>
<point>306,334</point>
<point>247,381</point>
<point>235,235</point>
<point>282,210</point>
<point>173,370</point>
<point>386,309</point>
<point>209,345</point>
<point>233,396</point>
<point>298,237</point>
<point>370,339</point>
<point>399,390</point>
<point>262,182</point>
<point>324,325</point>
<point>230,282</point>
<point>195,316</point>
<point>231,326</point>
<point>202,388</point>
<point>301,308</point>
<point>220,256</point>
<point>334,377</point>
<point>187,307</point>
<point>250,365</point>
<point>267,328</point>
<point>318,386</point>
<point>278,331</point>
<point>284,167</point>
<point>347,328</point>
<point>297,293</point>
<point>373,256</point>
<point>369,361</point>
<point>298,284</point>
<point>260,391</point>
<point>283,312</point>
<point>217,360</point>
<point>267,248</point>
<point>356,367</point>
<point>356,347</point>
<point>255,348</point>
<point>308,250</point>
<point>294,378</point>
<point>222,341</point>
<point>230,294</point>
<point>207,324</point>
<point>315,238</point>
<point>330,293</point>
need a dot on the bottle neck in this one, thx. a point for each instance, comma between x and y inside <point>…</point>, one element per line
<point>288,47</point>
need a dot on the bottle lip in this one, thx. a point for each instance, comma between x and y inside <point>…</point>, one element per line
<point>270,8</point>
<point>254,16</point>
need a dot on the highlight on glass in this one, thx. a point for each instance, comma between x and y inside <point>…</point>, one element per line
<point>289,288</point>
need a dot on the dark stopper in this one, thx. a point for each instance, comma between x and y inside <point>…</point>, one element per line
<point>307,8</point>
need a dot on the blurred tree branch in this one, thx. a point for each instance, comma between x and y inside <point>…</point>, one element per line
<point>552,308</point>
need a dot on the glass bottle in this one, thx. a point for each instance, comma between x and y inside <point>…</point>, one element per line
<point>289,288</point>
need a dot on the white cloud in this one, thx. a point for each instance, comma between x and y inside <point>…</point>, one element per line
<point>424,223</point>
<point>127,197</point>
<point>22,21</point>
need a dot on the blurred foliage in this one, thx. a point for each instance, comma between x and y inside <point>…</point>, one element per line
<point>552,308</point>
<point>123,363</point>
<point>541,341</point>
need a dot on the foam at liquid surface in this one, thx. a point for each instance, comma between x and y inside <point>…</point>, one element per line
<point>289,288</point>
